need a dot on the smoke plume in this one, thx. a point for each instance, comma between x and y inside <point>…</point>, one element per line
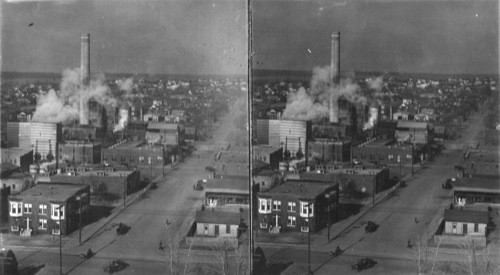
<point>372,120</point>
<point>126,85</point>
<point>314,104</point>
<point>64,105</point>
<point>122,121</point>
<point>375,83</point>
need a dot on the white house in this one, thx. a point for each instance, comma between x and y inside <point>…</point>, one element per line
<point>466,222</point>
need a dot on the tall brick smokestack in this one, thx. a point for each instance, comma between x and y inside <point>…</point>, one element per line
<point>84,76</point>
<point>335,64</point>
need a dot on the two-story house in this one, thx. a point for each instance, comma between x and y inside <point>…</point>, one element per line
<point>297,206</point>
<point>49,209</point>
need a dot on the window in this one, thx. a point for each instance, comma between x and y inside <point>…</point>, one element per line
<point>476,227</point>
<point>228,229</point>
<point>57,212</point>
<point>15,209</point>
<point>304,209</point>
<point>292,206</point>
<point>381,157</point>
<point>277,205</point>
<point>160,157</point>
<point>122,158</point>
<point>390,157</point>
<point>42,209</point>
<point>132,159</point>
<point>265,206</point>
<point>291,221</point>
<point>141,159</point>
<point>27,208</point>
<point>104,157</point>
<point>113,157</point>
<point>42,224</point>
<point>408,156</point>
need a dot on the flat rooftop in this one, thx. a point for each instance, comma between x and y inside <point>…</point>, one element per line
<point>299,188</point>
<point>477,184</point>
<point>55,192</point>
<point>232,184</point>
<point>383,143</point>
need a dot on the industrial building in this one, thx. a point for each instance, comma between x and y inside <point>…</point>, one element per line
<point>355,183</point>
<point>80,153</point>
<point>226,192</point>
<point>49,209</point>
<point>43,138</point>
<point>165,133</point>
<point>303,206</point>
<point>289,134</point>
<point>324,150</point>
<point>268,154</point>
<point>387,152</point>
<point>119,183</point>
<point>22,157</point>
<point>149,158</point>
<point>483,163</point>
<point>415,132</point>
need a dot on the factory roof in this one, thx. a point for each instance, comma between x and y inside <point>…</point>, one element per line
<point>53,192</point>
<point>411,124</point>
<point>162,125</point>
<point>477,184</point>
<point>230,184</point>
<point>299,188</point>
<point>127,144</point>
<point>469,216</point>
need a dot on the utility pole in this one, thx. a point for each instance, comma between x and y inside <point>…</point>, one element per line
<point>124,190</point>
<point>60,241</point>
<point>309,238</point>
<point>79,219</point>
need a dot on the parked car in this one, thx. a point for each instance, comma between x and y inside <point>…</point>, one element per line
<point>363,264</point>
<point>122,229</point>
<point>371,227</point>
<point>447,184</point>
<point>115,266</point>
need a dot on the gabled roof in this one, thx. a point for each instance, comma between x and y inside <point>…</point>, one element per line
<point>469,216</point>
<point>218,217</point>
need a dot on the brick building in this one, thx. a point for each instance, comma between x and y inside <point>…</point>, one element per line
<point>387,152</point>
<point>327,151</point>
<point>21,157</point>
<point>165,133</point>
<point>297,206</point>
<point>118,182</point>
<point>80,153</point>
<point>268,154</point>
<point>49,209</point>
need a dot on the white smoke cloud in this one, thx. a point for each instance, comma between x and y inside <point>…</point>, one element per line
<point>122,123</point>
<point>301,106</point>
<point>375,83</point>
<point>126,85</point>
<point>64,105</point>
<point>372,120</point>
<point>314,105</point>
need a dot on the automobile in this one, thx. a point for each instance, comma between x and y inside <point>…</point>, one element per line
<point>115,266</point>
<point>447,184</point>
<point>371,227</point>
<point>363,264</point>
<point>122,229</point>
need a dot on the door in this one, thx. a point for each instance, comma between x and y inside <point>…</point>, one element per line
<point>216,230</point>
<point>464,231</point>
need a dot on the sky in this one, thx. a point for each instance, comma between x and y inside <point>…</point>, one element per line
<point>127,36</point>
<point>439,36</point>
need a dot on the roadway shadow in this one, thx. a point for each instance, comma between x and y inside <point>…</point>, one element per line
<point>31,269</point>
<point>277,268</point>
